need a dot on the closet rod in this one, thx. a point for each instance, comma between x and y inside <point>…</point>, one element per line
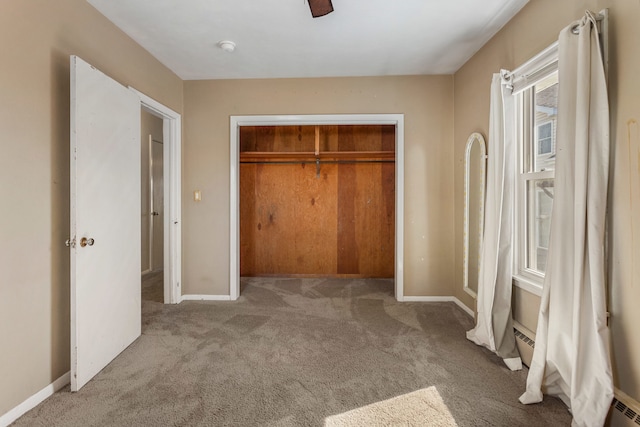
<point>310,162</point>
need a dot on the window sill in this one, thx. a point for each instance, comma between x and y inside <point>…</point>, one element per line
<point>527,284</point>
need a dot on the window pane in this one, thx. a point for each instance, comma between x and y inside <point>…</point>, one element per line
<point>545,138</point>
<point>540,203</point>
<point>546,110</point>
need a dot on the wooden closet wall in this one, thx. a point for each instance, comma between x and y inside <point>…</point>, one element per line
<point>317,201</point>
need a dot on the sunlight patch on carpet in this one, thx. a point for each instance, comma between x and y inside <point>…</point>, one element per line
<point>419,408</point>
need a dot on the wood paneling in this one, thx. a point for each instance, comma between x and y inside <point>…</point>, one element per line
<point>288,219</point>
<point>348,248</point>
<point>296,221</point>
<point>277,138</point>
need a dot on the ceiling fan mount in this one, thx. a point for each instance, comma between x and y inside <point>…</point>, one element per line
<point>320,7</point>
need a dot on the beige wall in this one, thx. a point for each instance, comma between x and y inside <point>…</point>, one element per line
<point>427,103</point>
<point>533,29</point>
<point>36,39</point>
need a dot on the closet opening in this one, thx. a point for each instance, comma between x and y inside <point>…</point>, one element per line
<point>317,200</point>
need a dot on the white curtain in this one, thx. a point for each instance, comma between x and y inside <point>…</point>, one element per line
<point>494,326</point>
<point>571,357</point>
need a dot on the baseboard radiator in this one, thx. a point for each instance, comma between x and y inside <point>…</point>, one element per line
<point>625,411</point>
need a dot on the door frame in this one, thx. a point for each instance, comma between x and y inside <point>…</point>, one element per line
<point>172,171</point>
<point>236,122</point>
<point>149,203</point>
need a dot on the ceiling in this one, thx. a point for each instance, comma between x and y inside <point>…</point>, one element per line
<point>279,38</point>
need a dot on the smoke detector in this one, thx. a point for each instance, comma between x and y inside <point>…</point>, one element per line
<point>227,45</point>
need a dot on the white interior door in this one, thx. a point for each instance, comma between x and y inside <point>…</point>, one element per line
<point>157,202</point>
<point>105,220</point>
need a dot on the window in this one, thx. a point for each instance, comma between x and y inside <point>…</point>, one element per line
<point>544,138</point>
<point>537,107</point>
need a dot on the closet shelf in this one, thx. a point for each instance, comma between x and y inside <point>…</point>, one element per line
<point>310,157</point>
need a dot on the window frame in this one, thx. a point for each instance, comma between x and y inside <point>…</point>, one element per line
<point>524,80</point>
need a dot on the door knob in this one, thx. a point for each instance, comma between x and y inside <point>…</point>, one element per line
<point>155,213</point>
<point>86,242</point>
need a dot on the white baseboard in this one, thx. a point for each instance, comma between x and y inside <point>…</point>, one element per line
<point>34,400</point>
<point>466,309</point>
<point>440,299</point>
<point>193,297</point>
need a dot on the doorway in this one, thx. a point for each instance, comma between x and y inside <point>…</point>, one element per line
<point>171,222</point>
<point>152,207</point>
<point>236,122</point>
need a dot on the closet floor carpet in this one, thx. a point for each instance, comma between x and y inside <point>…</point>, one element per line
<point>301,352</point>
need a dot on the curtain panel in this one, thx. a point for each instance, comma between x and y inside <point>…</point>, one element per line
<point>571,358</point>
<point>494,326</point>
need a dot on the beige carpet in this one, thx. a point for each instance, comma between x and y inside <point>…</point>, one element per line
<point>300,352</point>
<point>421,408</point>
